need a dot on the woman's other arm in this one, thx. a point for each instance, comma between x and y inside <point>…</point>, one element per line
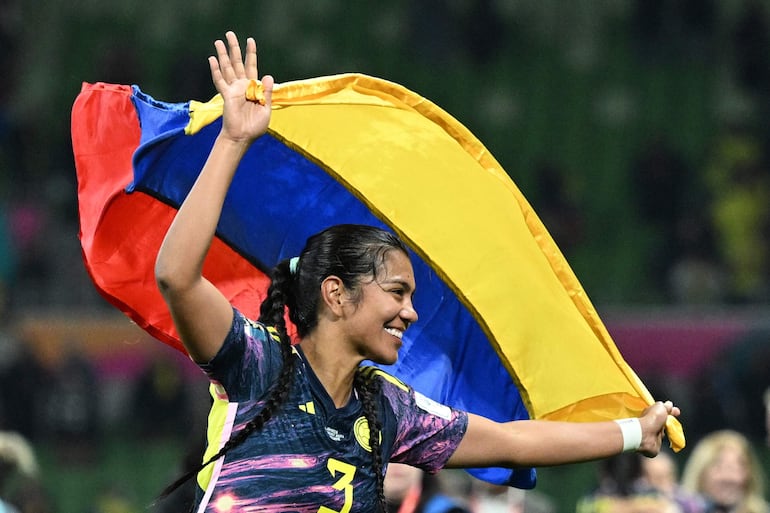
<point>536,443</point>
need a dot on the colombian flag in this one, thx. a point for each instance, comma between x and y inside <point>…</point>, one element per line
<point>505,330</point>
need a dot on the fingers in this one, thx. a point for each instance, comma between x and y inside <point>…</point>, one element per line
<point>216,74</point>
<point>230,63</point>
<point>267,89</point>
<point>223,61</point>
<point>670,408</point>
<point>251,59</point>
<point>236,59</point>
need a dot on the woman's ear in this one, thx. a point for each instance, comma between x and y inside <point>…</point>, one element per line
<point>332,290</point>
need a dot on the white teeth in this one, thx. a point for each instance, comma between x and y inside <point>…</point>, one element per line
<point>395,332</point>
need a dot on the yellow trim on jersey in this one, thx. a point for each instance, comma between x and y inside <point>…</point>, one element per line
<point>370,372</point>
<point>216,425</point>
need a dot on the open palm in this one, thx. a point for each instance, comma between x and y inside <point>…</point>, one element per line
<point>243,120</point>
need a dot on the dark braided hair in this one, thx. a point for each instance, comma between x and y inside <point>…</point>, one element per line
<point>352,253</point>
<point>368,388</point>
<point>271,314</point>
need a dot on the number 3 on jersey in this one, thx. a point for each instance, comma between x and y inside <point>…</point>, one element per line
<point>344,483</point>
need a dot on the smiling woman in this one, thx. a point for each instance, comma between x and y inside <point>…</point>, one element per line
<point>349,294</point>
<point>724,469</point>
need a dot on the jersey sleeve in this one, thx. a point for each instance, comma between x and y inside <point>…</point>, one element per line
<point>427,432</point>
<point>248,362</point>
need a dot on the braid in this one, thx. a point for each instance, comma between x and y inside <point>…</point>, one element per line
<point>273,308</point>
<point>272,314</point>
<point>368,389</point>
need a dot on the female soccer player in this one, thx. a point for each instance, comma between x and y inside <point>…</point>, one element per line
<point>308,428</point>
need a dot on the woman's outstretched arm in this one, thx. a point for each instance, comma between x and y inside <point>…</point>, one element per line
<point>201,314</point>
<point>539,443</point>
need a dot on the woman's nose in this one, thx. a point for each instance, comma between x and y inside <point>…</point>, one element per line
<point>409,314</point>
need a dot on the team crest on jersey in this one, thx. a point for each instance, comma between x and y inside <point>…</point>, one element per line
<point>361,432</point>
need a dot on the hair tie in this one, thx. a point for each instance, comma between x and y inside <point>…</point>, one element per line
<point>293,263</point>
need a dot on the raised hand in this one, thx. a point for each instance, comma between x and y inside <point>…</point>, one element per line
<point>243,120</point>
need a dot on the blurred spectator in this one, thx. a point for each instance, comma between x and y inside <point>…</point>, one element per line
<point>741,215</point>
<point>20,488</point>
<point>403,486</point>
<point>160,399</point>
<point>662,474</point>
<point>622,489</point>
<point>724,469</point>
<point>28,217</point>
<point>695,276</point>
<point>410,490</point>
<point>447,491</point>
<point>727,393</point>
<point>490,498</point>
<point>739,185</point>
<point>23,384</point>
<point>17,458</point>
<point>71,410</point>
<point>32,497</point>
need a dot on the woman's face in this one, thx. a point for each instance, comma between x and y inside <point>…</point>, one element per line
<point>378,317</point>
<point>725,481</point>
<point>660,473</point>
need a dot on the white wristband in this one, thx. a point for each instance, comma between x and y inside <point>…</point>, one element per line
<point>632,433</point>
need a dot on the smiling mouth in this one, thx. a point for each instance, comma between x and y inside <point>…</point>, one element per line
<point>396,333</point>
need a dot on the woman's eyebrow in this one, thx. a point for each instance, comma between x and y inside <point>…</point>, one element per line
<point>399,281</point>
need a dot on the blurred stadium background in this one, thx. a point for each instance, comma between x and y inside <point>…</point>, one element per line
<point>637,129</point>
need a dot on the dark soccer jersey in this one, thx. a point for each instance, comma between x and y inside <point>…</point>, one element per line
<point>310,456</point>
